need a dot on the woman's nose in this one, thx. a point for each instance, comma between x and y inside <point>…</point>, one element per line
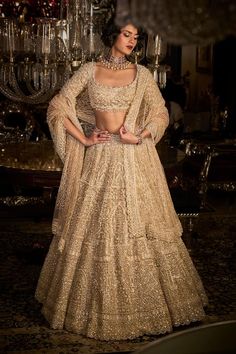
<point>131,40</point>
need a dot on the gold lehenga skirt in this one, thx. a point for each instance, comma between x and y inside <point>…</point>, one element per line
<point>124,271</point>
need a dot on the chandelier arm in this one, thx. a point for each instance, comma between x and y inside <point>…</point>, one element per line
<point>30,88</point>
<point>14,84</point>
<point>17,95</point>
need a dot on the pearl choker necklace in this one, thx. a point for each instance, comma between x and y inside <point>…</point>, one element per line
<point>115,63</point>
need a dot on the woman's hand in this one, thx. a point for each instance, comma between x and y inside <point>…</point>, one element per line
<point>127,137</point>
<point>97,137</point>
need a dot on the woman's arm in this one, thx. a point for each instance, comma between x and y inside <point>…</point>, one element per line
<point>94,138</point>
<point>62,116</point>
<point>145,134</point>
<point>130,138</point>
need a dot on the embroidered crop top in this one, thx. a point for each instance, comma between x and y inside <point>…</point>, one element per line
<point>107,98</point>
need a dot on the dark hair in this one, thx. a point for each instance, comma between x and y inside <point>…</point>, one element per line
<point>111,31</point>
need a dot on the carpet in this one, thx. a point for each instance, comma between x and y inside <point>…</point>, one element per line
<point>24,244</point>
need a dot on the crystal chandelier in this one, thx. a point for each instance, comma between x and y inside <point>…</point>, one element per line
<point>155,53</point>
<point>37,58</point>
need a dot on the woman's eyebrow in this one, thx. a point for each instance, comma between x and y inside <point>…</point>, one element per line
<point>135,34</point>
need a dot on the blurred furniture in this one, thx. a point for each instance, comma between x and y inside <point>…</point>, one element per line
<point>216,338</point>
<point>170,156</point>
<point>30,174</point>
<point>184,193</point>
<point>197,122</point>
<point>207,165</point>
<point>212,165</point>
<point>186,198</point>
<point>18,123</point>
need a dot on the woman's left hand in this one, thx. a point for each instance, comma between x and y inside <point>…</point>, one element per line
<point>127,137</point>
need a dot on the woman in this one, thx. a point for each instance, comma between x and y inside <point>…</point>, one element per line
<point>117,267</point>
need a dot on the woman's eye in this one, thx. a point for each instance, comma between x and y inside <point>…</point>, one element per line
<point>128,35</point>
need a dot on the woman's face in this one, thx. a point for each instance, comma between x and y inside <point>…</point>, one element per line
<point>126,41</point>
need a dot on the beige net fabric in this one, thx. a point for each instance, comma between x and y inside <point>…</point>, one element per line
<point>117,267</point>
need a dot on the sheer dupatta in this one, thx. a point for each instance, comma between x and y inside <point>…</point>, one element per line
<point>71,152</point>
<point>153,114</point>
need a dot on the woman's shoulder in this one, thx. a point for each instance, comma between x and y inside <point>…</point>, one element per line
<point>143,69</point>
<point>145,73</point>
<point>84,68</point>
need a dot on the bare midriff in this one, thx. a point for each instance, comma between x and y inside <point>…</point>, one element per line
<point>111,121</point>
